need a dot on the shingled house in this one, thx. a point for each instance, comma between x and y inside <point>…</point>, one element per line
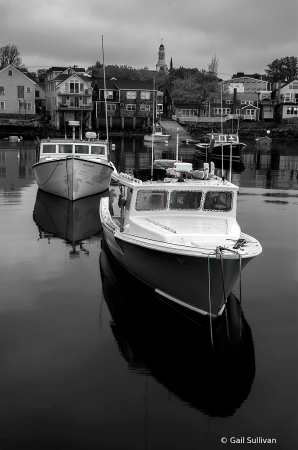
<point>129,103</point>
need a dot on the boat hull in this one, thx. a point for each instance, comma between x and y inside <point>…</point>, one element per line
<point>73,177</point>
<point>156,138</point>
<point>181,278</point>
<point>222,151</point>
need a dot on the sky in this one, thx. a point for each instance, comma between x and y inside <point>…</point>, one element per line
<point>244,35</point>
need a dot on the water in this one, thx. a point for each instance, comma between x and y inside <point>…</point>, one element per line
<point>89,359</point>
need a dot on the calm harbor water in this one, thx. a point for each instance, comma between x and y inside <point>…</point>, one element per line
<point>91,360</point>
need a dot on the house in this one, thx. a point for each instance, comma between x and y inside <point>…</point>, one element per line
<point>68,96</point>
<point>185,111</point>
<point>286,95</point>
<point>19,94</point>
<point>129,102</point>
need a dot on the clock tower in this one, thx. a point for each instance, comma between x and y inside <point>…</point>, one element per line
<point>161,58</point>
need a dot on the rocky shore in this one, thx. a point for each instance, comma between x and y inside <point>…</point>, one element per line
<point>246,130</point>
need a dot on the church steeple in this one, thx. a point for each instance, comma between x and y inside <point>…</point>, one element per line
<point>161,58</point>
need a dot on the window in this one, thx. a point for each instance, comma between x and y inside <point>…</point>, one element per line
<point>111,107</point>
<point>218,201</point>
<point>65,148</point>
<point>131,95</point>
<point>130,107</point>
<point>145,95</point>
<point>216,100</point>
<point>292,110</point>
<point>37,95</point>
<point>189,112</point>
<point>144,107</point>
<point>82,149</point>
<point>250,112</point>
<point>10,73</point>
<point>229,102</point>
<point>29,106</point>
<point>2,106</point>
<point>28,89</point>
<point>20,91</point>
<point>185,200</point>
<point>98,150</point>
<point>109,94</point>
<point>151,200</point>
<point>2,90</point>
<point>222,111</point>
<point>49,148</point>
<point>74,87</point>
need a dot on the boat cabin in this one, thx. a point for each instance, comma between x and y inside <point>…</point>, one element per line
<point>224,138</point>
<point>192,207</point>
<point>51,148</point>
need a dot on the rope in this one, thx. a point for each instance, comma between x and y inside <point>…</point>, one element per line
<point>219,250</point>
<point>51,174</point>
<point>209,298</point>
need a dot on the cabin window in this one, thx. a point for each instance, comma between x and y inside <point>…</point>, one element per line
<point>218,201</point>
<point>185,200</point>
<point>82,149</point>
<point>98,150</point>
<point>65,148</point>
<point>49,148</point>
<point>151,200</point>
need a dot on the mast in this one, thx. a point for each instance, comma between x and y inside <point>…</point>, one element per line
<point>105,91</point>
<point>221,130</point>
<point>152,151</point>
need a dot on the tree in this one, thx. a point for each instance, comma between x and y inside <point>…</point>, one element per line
<point>9,54</point>
<point>285,69</point>
<point>213,66</point>
<point>41,73</point>
<point>195,88</point>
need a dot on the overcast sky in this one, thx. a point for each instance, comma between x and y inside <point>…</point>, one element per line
<point>245,35</point>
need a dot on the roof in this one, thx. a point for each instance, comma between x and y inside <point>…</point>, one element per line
<point>64,77</point>
<point>125,85</point>
<point>62,69</point>
<point>15,68</point>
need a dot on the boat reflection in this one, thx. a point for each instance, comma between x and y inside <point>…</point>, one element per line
<point>73,222</point>
<point>175,348</point>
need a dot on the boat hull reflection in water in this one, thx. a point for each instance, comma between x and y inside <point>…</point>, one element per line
<point>173,345</point>
<point>64,219</point>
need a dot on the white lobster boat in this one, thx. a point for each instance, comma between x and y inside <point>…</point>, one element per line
<point>158,135</point>
<point>179,235</point>
<point>73,168</point>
